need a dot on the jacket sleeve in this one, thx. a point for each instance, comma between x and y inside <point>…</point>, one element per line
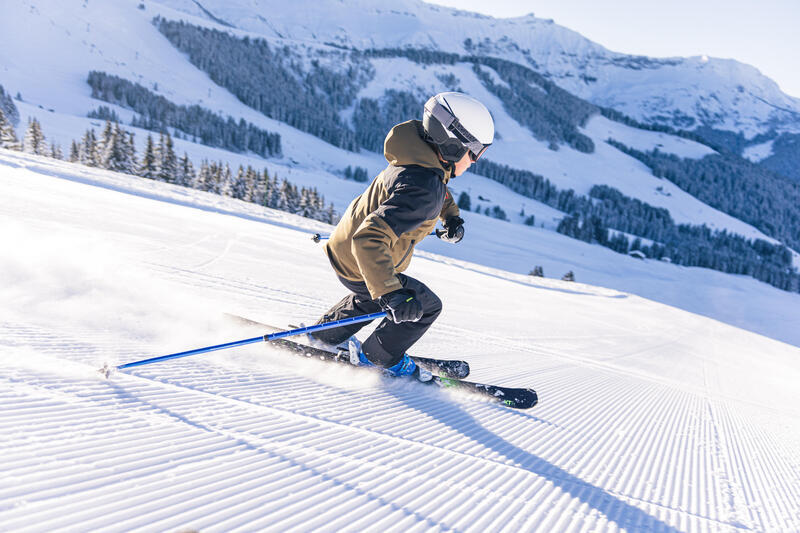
<point>409,205</point>
<point>450,208</point>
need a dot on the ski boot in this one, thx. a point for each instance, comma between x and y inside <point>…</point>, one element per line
<point>405,367</point>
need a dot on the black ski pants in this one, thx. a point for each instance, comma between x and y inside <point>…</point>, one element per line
<point>387,344</point>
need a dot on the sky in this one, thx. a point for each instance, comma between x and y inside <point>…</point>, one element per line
<point>762,33</point>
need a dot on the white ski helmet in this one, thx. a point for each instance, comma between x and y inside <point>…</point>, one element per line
<point>457,123</point>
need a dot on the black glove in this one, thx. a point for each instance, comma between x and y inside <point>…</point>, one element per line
<point>401,306</point>
<point>453,230</point>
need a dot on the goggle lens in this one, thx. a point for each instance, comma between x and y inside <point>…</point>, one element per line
<point>474,157</point>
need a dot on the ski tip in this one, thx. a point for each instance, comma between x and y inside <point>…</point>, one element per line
<point>531,399</point>
<point>522,399</point>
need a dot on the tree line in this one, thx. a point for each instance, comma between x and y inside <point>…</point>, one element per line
<point>273,80</point>
<point>784,160</point>
<point>114,149</point>
<point>593,218</point>
<point>310,96</point>
<point>8,107</point>
<point>733,185</point>
<point>156,113</point>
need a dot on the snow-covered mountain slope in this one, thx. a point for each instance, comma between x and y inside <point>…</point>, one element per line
<point>55,44</point>
<point>87,38</point>
<point>651,418</point>
<point>682,92</point>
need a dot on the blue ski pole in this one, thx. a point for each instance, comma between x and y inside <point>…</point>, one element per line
<point>264,338</point>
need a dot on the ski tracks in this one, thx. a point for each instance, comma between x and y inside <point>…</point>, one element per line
<point>193,444</point>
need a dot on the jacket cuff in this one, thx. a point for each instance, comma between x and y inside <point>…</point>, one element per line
<point>391,285</point>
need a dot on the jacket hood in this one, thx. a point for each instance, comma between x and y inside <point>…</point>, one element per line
<point>404,146</point>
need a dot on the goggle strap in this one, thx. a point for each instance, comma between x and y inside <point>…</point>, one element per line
<point>441,114</point>
<point>451,123</point>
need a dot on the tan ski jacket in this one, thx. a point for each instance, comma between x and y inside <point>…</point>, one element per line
<point>376,236</point>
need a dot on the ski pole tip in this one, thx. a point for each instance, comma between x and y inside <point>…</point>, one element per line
<point>316,237</point>
<point>106,370</point>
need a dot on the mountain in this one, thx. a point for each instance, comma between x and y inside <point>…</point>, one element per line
<point>683,93</point>
<point>723,100</point>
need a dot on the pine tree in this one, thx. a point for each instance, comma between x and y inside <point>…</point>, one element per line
<point>294,199</point>
<point>115,150</point>
<point>260,185</point>
<point>203,178</point>
<point>537,271</point>
<point>251,179</point>
<point>214,183</point>
<point>55,151</point>
<point>331,215</point>
<point>34,142</point>
<point>129,149</point>
<point>74,152</point>
<point>464,201</point>
<point>8,108</point>
<point>8,137</point>
<point>149,165</point>
<point>104,141</point>
<point>225,180</point>
<point>107,148</point>
<point>168,168</point>
<point>238,187</point>
<point>88,152</point>
<point>304,207</point>
<point>287,201</point>
<point>272,197</point>
<point>186,174</point>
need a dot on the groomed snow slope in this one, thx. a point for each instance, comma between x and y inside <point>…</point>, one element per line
<point>651,418</point>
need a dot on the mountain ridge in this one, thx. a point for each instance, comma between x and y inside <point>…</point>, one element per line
<point>696,91</point>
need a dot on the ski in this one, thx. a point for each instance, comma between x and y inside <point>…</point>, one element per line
<point>449,368</point>
<point>515,398</point>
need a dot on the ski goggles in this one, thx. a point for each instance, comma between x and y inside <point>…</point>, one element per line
<point>451,123</point>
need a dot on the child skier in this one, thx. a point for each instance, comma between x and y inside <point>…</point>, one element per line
<point>374,241</point>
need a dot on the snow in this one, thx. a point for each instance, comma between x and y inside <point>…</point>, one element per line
<point>77,40</point>
<point>723,93</point>
<point>568,168</point>
<point>668,394</point>
<point>646,141</point>
<point>758,152</point>
<point>82,39</point>
<point>651,417</point>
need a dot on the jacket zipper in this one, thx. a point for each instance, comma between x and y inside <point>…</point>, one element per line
<point>406,254</point>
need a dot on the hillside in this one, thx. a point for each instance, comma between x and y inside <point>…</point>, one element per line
<point>87,39</point>
<point>651,418</point>
<point>681,92</point>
